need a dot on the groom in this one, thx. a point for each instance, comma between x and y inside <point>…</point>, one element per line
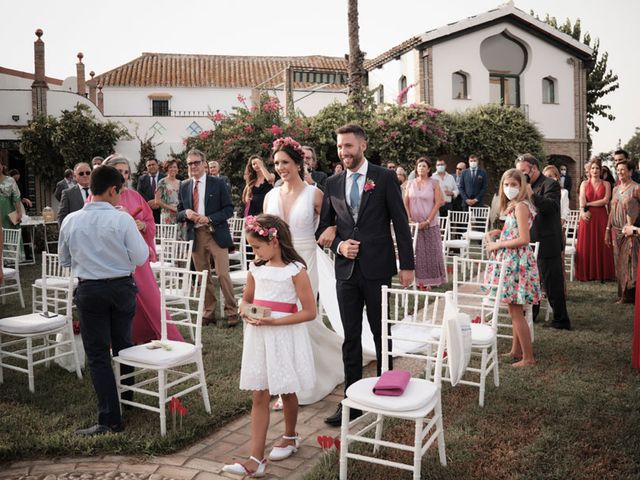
<point>362,202</point>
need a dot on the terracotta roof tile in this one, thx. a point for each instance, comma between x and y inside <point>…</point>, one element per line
<point>180,70</point>
<point>392,53</point>
<point>29,76</point>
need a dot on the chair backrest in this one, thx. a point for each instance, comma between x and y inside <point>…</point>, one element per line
<point>191,287</point>
<point>11,245</point>
<point>167,231</point>
<point>479,219</point>
<point>571,227</point>
<point>473,291</point>
<point>535,247</point>
<point>408,319</point>
<point>176,252</point>
<point>413,228</point>
<point>457,225</point>
<point>52,299</point>
<point>239,238</point>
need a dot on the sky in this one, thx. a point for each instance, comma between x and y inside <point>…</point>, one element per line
<point>115,32</point>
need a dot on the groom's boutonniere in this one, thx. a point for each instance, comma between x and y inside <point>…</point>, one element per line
<point>369,185</point>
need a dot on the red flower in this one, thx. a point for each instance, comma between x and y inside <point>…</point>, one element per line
<point>325,441</point>
<point>174,404</point>
<point>336,442</point>
<point>369,185</point>
<point>249,129</point>
<point>76,327</point>
<point>218,116</point>
<point>276,130</point>
<point>241,98</point>
<point>204,134</point>
<point>476,319</point>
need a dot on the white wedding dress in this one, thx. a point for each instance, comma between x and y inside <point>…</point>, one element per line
<point>326,344</point>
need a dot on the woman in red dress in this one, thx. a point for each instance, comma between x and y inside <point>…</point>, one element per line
<point>630,230</point>
<point>594,259</point>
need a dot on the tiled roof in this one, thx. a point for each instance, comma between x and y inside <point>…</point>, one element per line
<point>506,11</point>
<point>27,75</point>
<point>393,53</point>
<point>181,70</point>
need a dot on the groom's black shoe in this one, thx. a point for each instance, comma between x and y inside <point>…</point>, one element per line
<point>335,420</point>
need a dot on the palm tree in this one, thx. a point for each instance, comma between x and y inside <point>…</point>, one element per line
<point>356,57</point>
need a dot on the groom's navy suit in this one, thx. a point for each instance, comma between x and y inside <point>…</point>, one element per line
<point>359,281</point>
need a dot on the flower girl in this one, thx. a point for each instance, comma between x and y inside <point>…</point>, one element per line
<point>521,279</point>
<point>276,355</point>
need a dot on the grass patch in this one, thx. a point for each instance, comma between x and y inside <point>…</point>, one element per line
<point>43,423</point>
<point>574,416</point>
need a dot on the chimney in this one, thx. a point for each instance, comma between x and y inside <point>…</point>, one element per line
<point>92,87</point>
<point>82,88</point>
<point>100,98</point>
<point>39,86</point>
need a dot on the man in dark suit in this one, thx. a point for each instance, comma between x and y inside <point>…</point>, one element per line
<point>473,184</point>
<point>74,198</point>
<point>313,177</point>
<point>214,171</point>
<point>62,185</point>
<point>565,179</point>
<point>204,202</point>
<point>147,185</point>
<point>361,203</point>
<point>547,229</point>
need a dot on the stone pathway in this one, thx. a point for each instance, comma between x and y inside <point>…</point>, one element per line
<point>201,461</point>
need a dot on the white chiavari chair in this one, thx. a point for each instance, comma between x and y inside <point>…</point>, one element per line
<point>11,256</point>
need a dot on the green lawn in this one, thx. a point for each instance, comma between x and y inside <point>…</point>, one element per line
<point>43,423</point>
<point>574,416</point>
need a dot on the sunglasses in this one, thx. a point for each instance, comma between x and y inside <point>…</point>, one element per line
<point>195,163</point>
<point>82,174</point>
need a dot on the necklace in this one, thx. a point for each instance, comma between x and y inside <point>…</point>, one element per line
<point>624,187</point>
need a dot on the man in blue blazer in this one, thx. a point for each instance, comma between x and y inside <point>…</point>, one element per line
<point>204,203</point>
<point>473,184</point>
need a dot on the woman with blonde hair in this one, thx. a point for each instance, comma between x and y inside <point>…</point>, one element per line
<point>258,182</point>
<point>552,171</point>
<point>511,245</point>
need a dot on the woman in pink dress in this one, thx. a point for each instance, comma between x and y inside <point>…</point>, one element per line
<point>423,199</point>
<point>146,322</point>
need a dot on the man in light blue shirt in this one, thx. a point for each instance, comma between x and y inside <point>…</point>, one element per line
<point>103,247</point>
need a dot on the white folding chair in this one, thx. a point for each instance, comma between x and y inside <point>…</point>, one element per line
<point>456,237</point>
<point>413,228</point>
<point>571,234</point>
<point>11,256</point>
<point>165,231</point>
<point>471,297</point>
<point>421,402</point>
<point>478,227</point>
<point>57,280</point>
<point>173,253</point>
<point>162,367</point>
<point>236,228</point>
<point>32,338</point>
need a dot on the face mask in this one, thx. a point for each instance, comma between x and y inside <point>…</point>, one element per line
<point>563,172</point>
<point>473,164</point>
<point>440,168</point>
<point>511,192</point>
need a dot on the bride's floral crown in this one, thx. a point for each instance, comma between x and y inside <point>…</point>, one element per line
<point>288,142</point>
<point>252,225</point>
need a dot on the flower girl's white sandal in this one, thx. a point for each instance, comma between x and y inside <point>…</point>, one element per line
<point>277,406</point>
<point>240,469</point>
<point>280,453</point>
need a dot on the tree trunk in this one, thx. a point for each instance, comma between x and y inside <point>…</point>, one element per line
<point>356,57</point>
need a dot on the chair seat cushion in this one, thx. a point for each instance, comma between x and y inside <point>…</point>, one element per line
<point>474,235</point>
<point>418,394</point>
<point>156,266</point>
<point>8,272</point>
<point>31,323</point>
<point>456,243</point>
<point>569,250</point>
<point>480,334</point>
<point>238,277</point>
<point>159,357</point>
<point>55,282</point>
<point>235,256</point>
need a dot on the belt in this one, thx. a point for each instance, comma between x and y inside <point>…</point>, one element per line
<point>113,279</point>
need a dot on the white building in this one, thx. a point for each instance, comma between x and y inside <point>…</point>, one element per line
<point>501,56</point>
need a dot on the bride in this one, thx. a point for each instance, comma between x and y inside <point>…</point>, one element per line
<point>298,204</point>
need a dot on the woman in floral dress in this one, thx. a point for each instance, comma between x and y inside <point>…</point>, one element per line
<point>521,279</point>
<point>167,196</point>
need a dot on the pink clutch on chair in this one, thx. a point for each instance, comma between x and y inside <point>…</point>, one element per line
<point>392,383</point>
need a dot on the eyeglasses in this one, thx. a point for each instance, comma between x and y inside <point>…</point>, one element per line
<point>458,169</point>
<point>195,163</point>
<point>82,174</point>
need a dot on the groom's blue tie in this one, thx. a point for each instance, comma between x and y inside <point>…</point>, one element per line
<point>354,195</point>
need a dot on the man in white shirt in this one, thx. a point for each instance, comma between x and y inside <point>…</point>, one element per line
<point>448,185</point>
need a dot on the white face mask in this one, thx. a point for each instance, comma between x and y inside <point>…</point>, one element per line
<point>563,172</point>
<point>440,168</point>
<point>473,164</point>
<point>511,192</point>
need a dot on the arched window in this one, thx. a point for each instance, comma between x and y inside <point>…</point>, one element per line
<point>380,93</point>
<point>459,85</point>
<point>549,90</point>
<point>402,87</point>
<point>505,58</point>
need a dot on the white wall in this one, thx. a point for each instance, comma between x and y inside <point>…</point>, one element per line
<point>389,76</point>
<point>463,53</point>
<point>14,102</point>
<point>310,103</point>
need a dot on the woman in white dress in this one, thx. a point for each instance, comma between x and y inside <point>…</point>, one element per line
<point>298,204</point>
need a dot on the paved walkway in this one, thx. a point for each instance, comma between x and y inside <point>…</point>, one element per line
<point>201,461</point>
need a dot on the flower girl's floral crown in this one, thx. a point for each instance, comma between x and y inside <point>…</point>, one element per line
<point>252,225</point>
<point>288,142</point>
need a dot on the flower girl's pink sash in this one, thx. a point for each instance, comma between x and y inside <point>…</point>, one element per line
<point>277,306</point>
